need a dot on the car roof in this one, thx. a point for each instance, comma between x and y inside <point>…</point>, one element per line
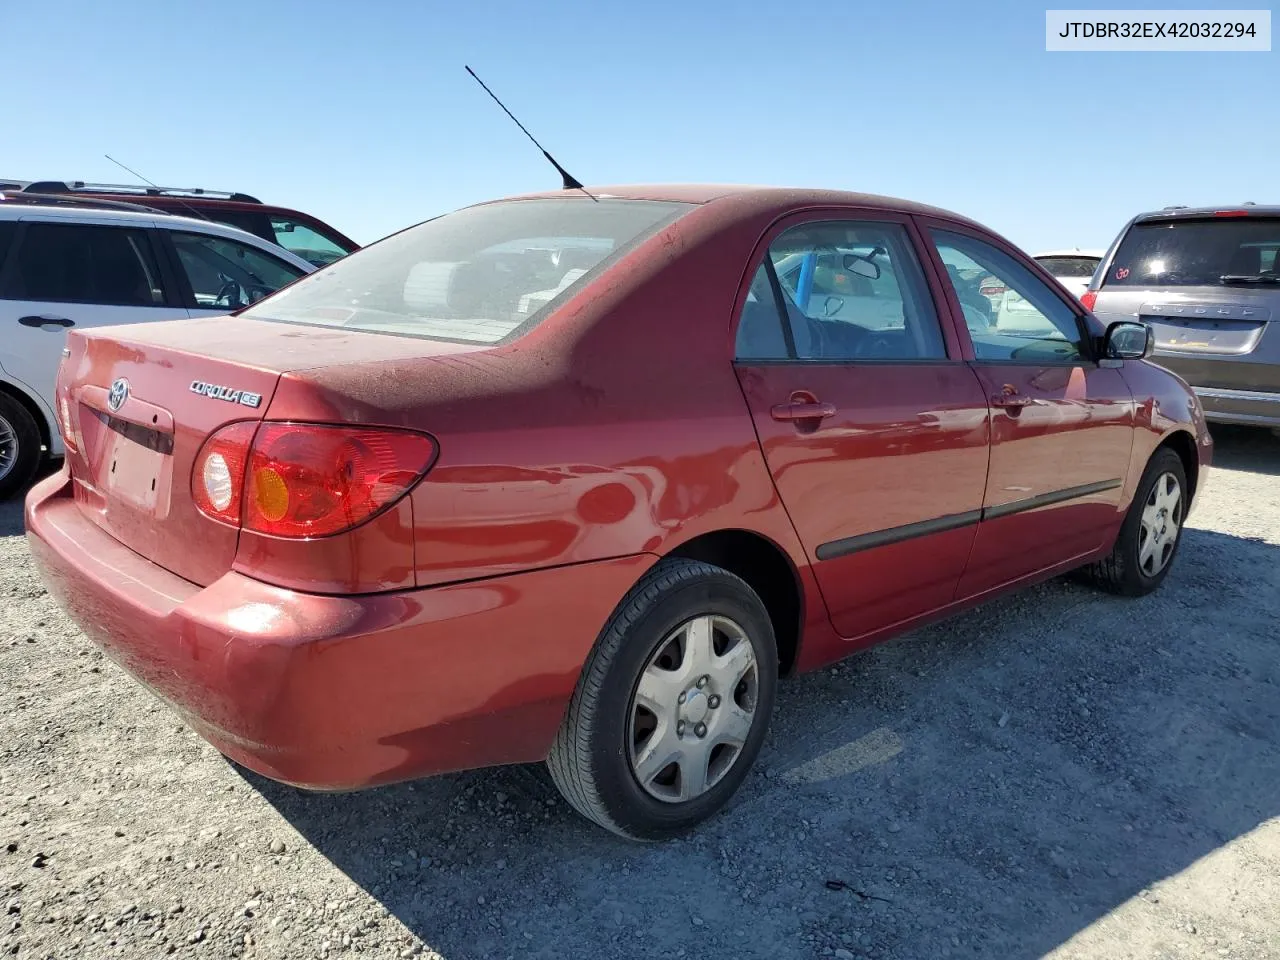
<point>86,213</point>
<point>784,199</point>
<point>1074,252</point>
<point>1239,209</point>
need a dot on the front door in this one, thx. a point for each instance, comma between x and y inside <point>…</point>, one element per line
<point>60,275</point>
<point>874,430</point>
<point>1061,425</point>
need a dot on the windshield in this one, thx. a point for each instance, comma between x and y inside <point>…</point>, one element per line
<point>1195,252</point>
<point>1071,267</point>
<point>479,275</point>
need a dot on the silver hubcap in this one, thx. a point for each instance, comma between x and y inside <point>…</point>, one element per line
<point>693,709</point>
<point>8,447</point>
<point>1161,521</point>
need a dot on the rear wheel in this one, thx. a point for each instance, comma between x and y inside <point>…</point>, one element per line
<point>20,450</point>
<point>672,706</point>
<point>1149,537</point>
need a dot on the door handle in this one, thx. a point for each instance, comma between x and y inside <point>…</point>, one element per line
<point>46,322</point>
<point>803,410</point>
<point>1016,401</point>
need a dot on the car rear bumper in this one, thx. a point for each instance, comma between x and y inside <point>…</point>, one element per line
<point>1243,390</point>
<point>1250,407</point>
<point>336,692</point>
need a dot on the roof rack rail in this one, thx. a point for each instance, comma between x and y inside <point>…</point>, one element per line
<point>1177,206</point>
<point>135,190</point>
<point>50,200</point>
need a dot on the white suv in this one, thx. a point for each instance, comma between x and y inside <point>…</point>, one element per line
<point>91,264</point>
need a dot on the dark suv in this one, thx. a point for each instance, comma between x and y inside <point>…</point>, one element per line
<point>1208,281</point>
<point>299,233</point>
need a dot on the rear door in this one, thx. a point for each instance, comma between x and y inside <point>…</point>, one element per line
<point>65,275</point>
<point>874,430</point>
<point>218,275</point>
<point>1061,425</point>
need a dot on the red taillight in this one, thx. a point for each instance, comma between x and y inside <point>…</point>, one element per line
<point>303,480</point>
<point>1231,213</point>
<point>217,480</point>
<point>306,480</point>
<point>1089,298</point>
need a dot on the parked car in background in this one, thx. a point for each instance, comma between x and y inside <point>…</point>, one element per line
<point>1207,280</point>
<point>1071,268</point>
<point>70,264</point>
<point>1014,314</point>
<point>299,233</point>
<point>575,478</point>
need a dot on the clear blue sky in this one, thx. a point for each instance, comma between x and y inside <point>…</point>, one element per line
<point>361,112</point>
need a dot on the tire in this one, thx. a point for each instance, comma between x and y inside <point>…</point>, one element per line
<point>648,654</point>
<point>1129,571</point>
<point>20,451</point>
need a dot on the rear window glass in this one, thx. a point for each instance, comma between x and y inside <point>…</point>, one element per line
<point>1081,267</point>
<point>479,275</point>
<point>1195,252</point>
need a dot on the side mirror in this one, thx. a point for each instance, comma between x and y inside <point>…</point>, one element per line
<point>861,266</point>
<point>1127,340</point>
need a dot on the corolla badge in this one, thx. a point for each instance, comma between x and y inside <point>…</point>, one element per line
<point>118,394</point>
<point>216,391</point>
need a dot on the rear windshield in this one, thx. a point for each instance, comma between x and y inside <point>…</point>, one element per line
<point>480,275</point>
<point>1185,253</point>
<point>1082,267</point>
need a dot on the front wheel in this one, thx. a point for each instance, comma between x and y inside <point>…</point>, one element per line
<point>1152,529</point>
<point>672,706</point>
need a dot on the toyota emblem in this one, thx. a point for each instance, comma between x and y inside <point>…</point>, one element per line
<point>118,394</point>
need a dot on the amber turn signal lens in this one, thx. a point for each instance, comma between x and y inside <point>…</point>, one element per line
<point>270,494</point>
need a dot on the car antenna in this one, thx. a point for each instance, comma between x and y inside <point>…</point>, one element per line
<point>570,182</point>
<point>135,173</point>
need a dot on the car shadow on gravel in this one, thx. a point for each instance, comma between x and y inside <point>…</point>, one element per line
<point>11,522</point>
<point>11,518</point>
<point>987,787</point>
<point>1250,449</point>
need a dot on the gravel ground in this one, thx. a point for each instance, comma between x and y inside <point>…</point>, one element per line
<point>1060,773</point>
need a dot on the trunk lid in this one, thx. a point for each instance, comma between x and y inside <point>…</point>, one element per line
<point>137,402</point>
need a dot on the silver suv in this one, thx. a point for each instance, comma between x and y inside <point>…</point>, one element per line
<point>1207,280</point>
<point>75,262</point>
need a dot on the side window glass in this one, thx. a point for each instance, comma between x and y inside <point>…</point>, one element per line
<point>760,334</point>
<point>855,291</point>
<point>226,275</point>
<point>79,263</point>
<point>1010,313</point>
<point>8,230</point>
<point>305,242</point>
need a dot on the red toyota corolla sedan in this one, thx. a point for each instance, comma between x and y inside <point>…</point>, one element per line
<point>575,478</point>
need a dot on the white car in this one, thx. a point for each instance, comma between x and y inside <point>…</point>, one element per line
<point>95,263</point>
<point>1072,268</point>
